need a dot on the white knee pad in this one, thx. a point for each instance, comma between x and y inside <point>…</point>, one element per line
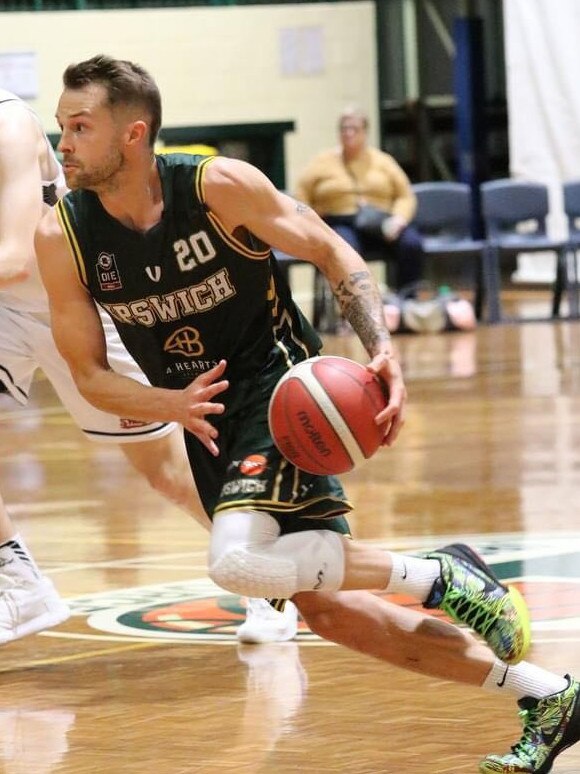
<point>247,557</point>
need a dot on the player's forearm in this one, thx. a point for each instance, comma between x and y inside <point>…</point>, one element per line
<point>125,397</point>
<point>361,304</point>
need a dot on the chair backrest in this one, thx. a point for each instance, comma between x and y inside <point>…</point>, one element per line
<point>508,205</point>
<point>572,205</point>
<point>443,209</point>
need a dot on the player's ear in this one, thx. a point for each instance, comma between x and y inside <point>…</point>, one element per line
<point>137,132</point>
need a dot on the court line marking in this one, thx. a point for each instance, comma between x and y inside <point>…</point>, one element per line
<point>132,563</point>
<point>77,656</point>
<point>159,641</point>
<point>169,641</point>
<point>54,506</point>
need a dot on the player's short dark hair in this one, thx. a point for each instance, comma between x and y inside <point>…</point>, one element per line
<point>126,83</point>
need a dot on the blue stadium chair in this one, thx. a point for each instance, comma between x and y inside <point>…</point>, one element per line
<point>443,219</point>
<point>572,210</point>
<point>515,214</point>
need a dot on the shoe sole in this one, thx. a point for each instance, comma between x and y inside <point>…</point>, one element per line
<point>259,640</point>
<point>47,620</point>
<point>461,551</point>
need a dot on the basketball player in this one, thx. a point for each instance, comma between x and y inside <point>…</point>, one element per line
<point>189,273</point>
<point>28,600</point>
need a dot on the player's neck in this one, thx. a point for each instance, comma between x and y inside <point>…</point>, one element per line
<point>136,199</point>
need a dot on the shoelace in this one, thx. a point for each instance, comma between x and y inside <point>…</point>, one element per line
<point>526,748</point>
<point>471,611</point>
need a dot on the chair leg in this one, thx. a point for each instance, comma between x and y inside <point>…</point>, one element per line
<point>561,283</point>
<point>324,317</point>
<point>479,297</point>
<point>572,276</point>
<point>492,283</point>
<point>317,300</point>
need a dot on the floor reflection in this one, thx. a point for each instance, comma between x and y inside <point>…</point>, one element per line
<point>277,685</point>
<point>34,741</point>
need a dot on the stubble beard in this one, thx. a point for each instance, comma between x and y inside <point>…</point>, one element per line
<point>104,178</point>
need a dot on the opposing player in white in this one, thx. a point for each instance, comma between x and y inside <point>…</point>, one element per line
<point>28,600</point>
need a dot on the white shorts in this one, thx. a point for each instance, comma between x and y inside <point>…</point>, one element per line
<point>26,344</point>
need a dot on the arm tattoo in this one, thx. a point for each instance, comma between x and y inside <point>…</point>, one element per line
<point>360,302</point>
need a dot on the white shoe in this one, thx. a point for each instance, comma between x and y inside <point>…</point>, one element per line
<point>264,624</point>
<point>27,607</point>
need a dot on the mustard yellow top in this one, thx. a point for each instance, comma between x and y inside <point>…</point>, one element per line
<point>374,177</point>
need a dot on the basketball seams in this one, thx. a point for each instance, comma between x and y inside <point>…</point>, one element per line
<point>335,364</point>
<point>295,436</point>
<point>321,415</point>
<point>335,419</point>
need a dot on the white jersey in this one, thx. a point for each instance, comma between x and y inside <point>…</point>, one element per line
<point>26,341</point>
<point>30,296</point>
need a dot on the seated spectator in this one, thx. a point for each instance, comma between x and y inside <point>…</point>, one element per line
<point>365,196</point>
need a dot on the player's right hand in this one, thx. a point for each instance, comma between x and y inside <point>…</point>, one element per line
<point>198,403</point>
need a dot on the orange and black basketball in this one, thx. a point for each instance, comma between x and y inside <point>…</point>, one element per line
<point>322,415</point>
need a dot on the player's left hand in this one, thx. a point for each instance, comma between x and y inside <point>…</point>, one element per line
<point>387,369</point>
<point>197,403</point>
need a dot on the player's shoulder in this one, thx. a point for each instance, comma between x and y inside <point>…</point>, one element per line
<point>224,173</point>
<point>168,162</point>
<point>17,122</point>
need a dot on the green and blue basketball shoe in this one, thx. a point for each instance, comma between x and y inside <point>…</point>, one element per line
<point>550,726</point>
<point>469,592</point>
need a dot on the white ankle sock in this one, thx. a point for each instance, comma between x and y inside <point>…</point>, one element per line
<point>413,576</point>
<point>524,679</point>
<point>15,559</point>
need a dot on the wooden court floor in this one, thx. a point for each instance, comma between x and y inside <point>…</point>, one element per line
<point>147,675</point>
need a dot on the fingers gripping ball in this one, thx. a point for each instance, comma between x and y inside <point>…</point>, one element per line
<point>322,415</point>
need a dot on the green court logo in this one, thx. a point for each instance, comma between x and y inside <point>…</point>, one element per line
<point>546,570</point>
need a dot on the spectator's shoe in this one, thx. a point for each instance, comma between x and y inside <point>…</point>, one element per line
<point>550,726</point>
<point>27,607</point>
<point>470,593</point>
<point>265,624</point>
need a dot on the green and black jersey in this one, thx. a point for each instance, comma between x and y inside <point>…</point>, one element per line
<point>186,293</point>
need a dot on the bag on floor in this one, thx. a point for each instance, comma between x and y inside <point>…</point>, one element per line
<point>442,310</point>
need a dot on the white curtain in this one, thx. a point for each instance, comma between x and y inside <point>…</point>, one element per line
<point>542,45</point>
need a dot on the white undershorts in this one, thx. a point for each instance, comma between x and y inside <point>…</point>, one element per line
<point>26,344</point>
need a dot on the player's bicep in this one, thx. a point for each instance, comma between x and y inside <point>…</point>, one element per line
<point>20,196</point>
<point>293,227</point>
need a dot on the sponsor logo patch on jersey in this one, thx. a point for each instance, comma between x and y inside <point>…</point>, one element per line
<point>153,272</point>
<point>107,272</point>
<point>129,424</point>
<point>253,465</point>
<point>185,341</point>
